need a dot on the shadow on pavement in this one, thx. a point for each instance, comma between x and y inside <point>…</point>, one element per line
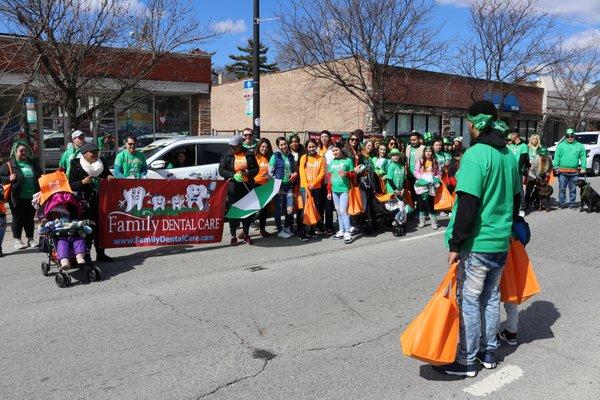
<point>535,323</point>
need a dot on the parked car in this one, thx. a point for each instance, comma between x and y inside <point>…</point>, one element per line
<point>591,142</point>
<point>202,156</point>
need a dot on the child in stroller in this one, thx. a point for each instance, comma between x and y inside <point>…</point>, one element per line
<point>62,234</point>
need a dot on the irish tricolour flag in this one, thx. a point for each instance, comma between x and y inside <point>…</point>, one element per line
<point>255,200</point>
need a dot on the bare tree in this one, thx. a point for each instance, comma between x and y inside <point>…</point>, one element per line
<point>575,94</point>
<point>512,43</point>
<point>359,45</point>
<point>69,50</point>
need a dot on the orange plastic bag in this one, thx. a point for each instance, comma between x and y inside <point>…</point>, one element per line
<point>408,196</point>
<point>355,205</point>
<point>443,199</point>
<point>433,336</point>
<point>518,282</point>
<point>53,183</point>
<point>311,214</point>
<point>552,178</point>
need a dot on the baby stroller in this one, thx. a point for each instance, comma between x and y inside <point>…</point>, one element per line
<point>385,212</point>
<point>55,229</point>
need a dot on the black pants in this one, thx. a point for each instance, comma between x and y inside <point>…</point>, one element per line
<point>411,188</point>
<point>22,218</point>
<point>425,205</point>
<point>325,207</point>
<point>262,214</point>
<point>531,184</point>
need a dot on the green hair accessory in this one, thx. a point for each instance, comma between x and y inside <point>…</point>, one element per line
<point>480,121</point>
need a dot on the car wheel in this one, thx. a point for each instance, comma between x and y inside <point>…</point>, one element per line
<point>596,166</point>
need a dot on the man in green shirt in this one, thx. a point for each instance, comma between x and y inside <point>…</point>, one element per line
<point>569,161</point>
<point>130,163</point>
<point>249,142</point>
<point>78,139</point>
<point>488,196</point>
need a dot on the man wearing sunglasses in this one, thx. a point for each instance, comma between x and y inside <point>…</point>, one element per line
<point>250,141</point>
<point>130,163</point>
<point>569,162</point>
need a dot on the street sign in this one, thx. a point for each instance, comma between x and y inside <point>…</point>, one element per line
<point>31,110</point>
<point>249,107</point>
<point>248,84</point>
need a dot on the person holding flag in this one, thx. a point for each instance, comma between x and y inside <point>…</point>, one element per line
<point>239,167</point>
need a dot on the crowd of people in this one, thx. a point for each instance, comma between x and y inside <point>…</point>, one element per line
<point>326,171</point>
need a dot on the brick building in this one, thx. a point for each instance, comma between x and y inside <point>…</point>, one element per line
<point>422,100</point>
<point>177,101</point>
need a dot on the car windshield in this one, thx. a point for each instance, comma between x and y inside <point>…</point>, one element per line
<point>587,139</point>
<point>152,150</point>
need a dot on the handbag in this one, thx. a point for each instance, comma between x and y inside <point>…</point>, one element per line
<point>311,214</point>
<point>432,336</point>
<point>6,188</point>
<point>518,282</point>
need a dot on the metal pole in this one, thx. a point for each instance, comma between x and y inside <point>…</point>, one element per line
<point>256,72</point>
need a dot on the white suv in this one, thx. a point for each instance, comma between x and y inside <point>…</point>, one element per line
<point>591,142</point>
<point>202,156</point>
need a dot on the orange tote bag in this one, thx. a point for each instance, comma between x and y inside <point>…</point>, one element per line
<point>355,205</point>
<point>443,199</point>
<point>311,214</point>
<point>433,336</point>
<point>518,282</point>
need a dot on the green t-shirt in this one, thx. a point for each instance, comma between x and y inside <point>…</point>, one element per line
<point>395,173</point>
<point>28,185</point>
<point>491,175</point>
<point>517,150</point>
<point>340,184</point>
<point>131,164</point>
<point>442,158</point>
<point>65,160</point>
<point>411,159</point>
<point>570,156</point>
<point>287,168</point>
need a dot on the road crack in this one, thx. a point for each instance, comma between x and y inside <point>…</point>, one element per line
<point>357,344</point>
<point>235,381</point>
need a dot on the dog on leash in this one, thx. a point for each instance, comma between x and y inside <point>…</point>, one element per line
<point>588,196</point>
<point>544,193</point>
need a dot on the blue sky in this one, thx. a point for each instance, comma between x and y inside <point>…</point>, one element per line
<point>578,21</point>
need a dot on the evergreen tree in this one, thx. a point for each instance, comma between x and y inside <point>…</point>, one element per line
<point>242,67</point>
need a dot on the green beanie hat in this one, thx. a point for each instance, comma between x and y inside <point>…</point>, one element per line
<point>427,137</point>
<point>543,151</point>
<point>570,131</point>
<point>395,152</point>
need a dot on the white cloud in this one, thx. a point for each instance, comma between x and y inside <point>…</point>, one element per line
<point>589,37</point>
<point>130,5</point>
<point>587,11</point>
<point>230,26</point>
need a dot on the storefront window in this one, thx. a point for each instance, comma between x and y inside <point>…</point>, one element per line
<point>172,114</point>
<point>433,124</point>
<point>390,128</point>
<point>404,123</point>
<point>420,123</point>
<point>134,119</point>
<point>455,125</point>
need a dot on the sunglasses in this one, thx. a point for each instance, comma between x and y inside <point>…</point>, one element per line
<point>248,135</point>
<point>353,139</point>
<point>130,144</point>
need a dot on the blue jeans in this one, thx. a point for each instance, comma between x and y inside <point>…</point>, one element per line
<point>478,298</point>
<point>567,180</point>
<point>283,200</point>
<point>340,201</point>
<point>2,228</point>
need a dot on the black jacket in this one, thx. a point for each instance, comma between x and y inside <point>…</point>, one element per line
<point>227,171</point>
<point>86,194</point>
<point>16,185</point>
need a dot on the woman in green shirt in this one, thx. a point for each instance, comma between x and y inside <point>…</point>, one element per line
<point>340,170</point>
<point>22,173</point>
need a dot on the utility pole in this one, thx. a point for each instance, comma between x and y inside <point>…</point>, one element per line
<point>256,72</point>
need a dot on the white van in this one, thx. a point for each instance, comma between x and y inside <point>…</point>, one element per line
<point>202,156</point>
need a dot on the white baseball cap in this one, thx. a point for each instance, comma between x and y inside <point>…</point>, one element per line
<point>76,134</point>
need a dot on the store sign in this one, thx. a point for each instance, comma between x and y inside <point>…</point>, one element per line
<point>248,84</point>
<point>147,212</point>
<point>30,107</point>
<point>509,102</point>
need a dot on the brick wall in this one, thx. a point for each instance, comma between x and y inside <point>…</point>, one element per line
<point>290,101</point>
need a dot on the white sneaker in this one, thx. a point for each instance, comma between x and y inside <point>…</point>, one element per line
<point>353,230</point>
<point>338,235</point>
<point>19,245</point>
<point>32,242</point>
<point>348,238</point>
<point>283,234</point>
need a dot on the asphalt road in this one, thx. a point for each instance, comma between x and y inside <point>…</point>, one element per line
<point>287,320</point>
